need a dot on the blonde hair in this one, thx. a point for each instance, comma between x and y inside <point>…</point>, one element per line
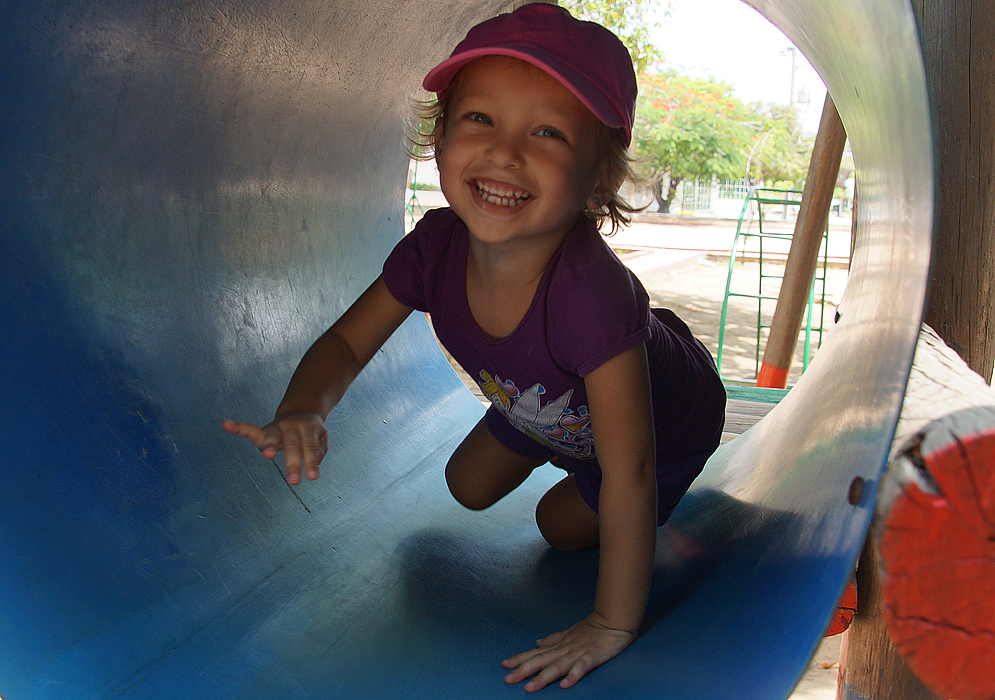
<point>428,139</point>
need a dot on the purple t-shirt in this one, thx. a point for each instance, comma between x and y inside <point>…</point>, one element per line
<point>587,309</point>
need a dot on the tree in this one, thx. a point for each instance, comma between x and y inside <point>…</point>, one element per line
<point>689,129</point>
<point>780,153</point>
<point>630,20</point>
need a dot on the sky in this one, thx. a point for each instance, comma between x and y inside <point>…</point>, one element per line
<point>731,41</point>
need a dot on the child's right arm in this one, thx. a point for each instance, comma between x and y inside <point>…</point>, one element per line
<point>322,377</point>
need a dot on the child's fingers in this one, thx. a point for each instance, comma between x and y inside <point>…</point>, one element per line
<point>251,432</point>
<point>293,458</point>
<point>312,458</point>
<point>568,655</point>
<point>304,445</point>
<point>519,659</point>
<point>302,439</point>
<point>545,666</point>
<point>264,440</point>
<point>551,640</point>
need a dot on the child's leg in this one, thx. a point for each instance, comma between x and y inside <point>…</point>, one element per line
<point>565,519</point>
<point>482,470</point>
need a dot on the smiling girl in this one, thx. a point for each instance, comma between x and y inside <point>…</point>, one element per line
<point>532,121</point>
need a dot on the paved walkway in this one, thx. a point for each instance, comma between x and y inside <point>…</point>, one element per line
<point>678,235</point>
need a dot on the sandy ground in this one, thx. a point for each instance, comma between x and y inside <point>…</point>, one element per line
<point>820,681</point>
<point>693,285</point>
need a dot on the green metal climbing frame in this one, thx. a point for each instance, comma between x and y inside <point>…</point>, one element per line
<point>766,245</point>
<point>413,207</point>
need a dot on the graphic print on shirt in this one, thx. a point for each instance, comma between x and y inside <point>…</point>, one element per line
<point>553,424</point>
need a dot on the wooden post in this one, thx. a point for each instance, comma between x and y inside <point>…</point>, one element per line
<point>915,512</point>
<point>926,580</point>
<point>958,45</point>
<point>871,668</point>
<point>803,256</point>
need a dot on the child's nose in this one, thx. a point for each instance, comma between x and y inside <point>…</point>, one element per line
<point>506,152</point>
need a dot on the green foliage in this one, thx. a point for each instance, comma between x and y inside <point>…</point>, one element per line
<point>780,153</point>
<point>692,128</point>
<point>631,20</point>
<point>689,129</point>
<point>695,129</point>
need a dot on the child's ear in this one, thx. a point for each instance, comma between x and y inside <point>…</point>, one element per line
<point>604,191</point>
<point>597,200</point>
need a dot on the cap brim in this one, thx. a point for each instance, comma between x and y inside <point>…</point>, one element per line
<point>439,78</point>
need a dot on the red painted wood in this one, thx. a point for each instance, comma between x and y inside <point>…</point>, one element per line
<point>772,377</point>
<point>845,610</point>
<point>939,587</point>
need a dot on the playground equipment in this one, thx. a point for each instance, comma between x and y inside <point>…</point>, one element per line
<point>191,192</point>
<point>766,244</point>
<point>413,207</point>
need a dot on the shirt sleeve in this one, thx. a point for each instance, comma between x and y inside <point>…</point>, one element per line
<point>596,308</point>
<point>414,262</point>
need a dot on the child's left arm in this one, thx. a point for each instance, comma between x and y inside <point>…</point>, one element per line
<point>622,420</point>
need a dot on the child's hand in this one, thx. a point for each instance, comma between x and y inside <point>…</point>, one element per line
<point>301,436</point>
<point>568,655</point>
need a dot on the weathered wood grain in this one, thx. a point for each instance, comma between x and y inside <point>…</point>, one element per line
<point>958,40</point>
<point>925,627</point>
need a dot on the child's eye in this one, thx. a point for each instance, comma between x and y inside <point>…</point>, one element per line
<point>550,132</point>
<point>478,117</point>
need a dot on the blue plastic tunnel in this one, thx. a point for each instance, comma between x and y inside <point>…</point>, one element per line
<point>190,193</point>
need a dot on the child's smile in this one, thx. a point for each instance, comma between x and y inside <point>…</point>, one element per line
<point>499,195</point>
<point>519,158</point>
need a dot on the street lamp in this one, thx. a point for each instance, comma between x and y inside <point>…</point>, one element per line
<point>793,51</point>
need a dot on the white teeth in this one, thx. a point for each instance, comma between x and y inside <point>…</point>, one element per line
<point>500,196</point>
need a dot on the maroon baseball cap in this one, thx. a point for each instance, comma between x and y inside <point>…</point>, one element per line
<point>585,57</point>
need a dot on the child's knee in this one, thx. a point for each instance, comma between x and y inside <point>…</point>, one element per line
<point>565,520</point>
<point>554,534</point>
<point>565,537</point>
<point>462,487</point>
<point>482,471</point>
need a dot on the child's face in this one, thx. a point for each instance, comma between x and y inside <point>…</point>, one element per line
<point>519,157</point>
